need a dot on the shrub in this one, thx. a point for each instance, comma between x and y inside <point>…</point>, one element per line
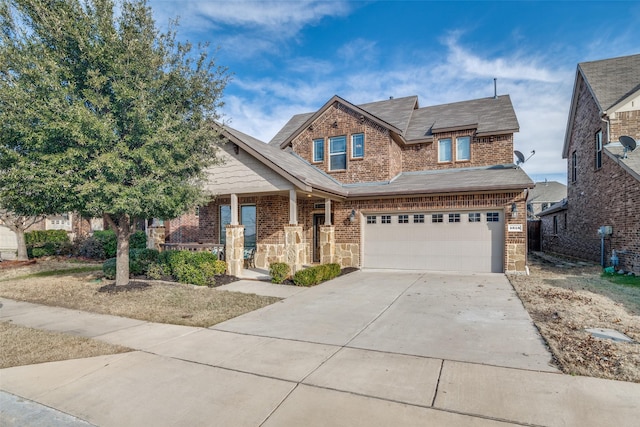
<point>91,248</point>
<point>139,260</point>
<point>138,240</point>
<point>279,272</point>
<point>315,275</point>
<point>196,268</point>
<point>109,268</point>
<point>156,271</point>
<point>108,240</point>
<point>47,242</point>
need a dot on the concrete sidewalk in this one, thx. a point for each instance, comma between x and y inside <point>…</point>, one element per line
<point>230,375</point>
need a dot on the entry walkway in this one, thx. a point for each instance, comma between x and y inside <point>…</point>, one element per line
<point>325,356</point>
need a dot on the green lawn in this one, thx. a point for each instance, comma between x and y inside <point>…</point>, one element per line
<point>622,279</point>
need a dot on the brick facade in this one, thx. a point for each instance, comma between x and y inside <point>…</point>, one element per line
<point>607,195</point>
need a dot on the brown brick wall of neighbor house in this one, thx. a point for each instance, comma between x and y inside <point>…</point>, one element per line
<point>605,196</point>
<point>185,228</point>
<point>625,123</point>
<point>378,144</point>
<point>485,151</point>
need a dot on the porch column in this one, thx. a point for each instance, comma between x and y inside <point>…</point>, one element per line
<point>327,244</point>
<point>293,247</point>
<point>293,207</point>
<point>234,209</point>
<point>234,249</point>
<point>327,211</point>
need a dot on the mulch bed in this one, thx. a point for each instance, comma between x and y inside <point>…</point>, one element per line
<point>15,264</point>
<point>140,284</point>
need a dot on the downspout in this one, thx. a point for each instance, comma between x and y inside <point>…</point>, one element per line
<point>605,118</point>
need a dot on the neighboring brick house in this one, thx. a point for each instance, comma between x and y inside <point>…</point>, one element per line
<point>380,185</point>
<point>603,180</point>
<point>543,195</point>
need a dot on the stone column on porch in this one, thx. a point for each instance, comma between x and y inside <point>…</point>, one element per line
<point>327,244</point>
<point>155,238</point>
<point>293,247</point>
<point>234,249</point>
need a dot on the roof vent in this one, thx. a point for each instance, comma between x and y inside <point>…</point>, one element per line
<point>495,88</point>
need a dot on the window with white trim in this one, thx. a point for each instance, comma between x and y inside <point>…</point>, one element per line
<point>357,146</point>
<point>436,218</point>
<point>474,217</point>
<point>385,219</point>
<point>338,153</point>
<point>493,216</point>
<point>371,219</point>
<point>463,148</point>
<point>418,219</point>
<point>318,150</point>
<point>403,219</point>
<point>444,150</point>
<point>455,217</point>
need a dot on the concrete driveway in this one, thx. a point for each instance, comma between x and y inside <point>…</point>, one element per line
<point>366,349</point>
<point>464,317</point>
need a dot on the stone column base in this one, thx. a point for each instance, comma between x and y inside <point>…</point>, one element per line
<point>293,247</point>
<point>234,250</point>
<point>155,238</point>
<point>327,244</point>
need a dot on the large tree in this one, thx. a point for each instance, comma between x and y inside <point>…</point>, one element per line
<point>107,115</point>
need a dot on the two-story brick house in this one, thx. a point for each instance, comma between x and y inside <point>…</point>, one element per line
<point>380,185</point>
<point>603,180</point>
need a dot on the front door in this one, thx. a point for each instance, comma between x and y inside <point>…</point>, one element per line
<point>318,220</point>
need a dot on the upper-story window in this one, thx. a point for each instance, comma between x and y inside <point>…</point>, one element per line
<point>463,148</point>
<point>598,149</point>
<point>338,153</point>
<point>318,150</point>
<point>574,167</point>
<point>357,146</point>
<point>444,150</point>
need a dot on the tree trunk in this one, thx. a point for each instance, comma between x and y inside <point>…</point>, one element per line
<point>123,232</point>
<point>22,245</point>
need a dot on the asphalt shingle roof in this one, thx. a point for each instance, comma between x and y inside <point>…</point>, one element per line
<point>630,162</point>
<point>487,115</point>
<point>547,191</point>
<point>612,80</point>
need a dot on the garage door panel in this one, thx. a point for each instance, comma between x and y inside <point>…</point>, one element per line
<point>447,246</point>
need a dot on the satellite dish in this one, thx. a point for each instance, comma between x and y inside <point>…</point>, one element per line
<point>520,157</point>
<point>628,142</point>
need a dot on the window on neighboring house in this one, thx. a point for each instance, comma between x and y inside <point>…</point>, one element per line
<point>555,224</point>
<point>371,219</point>
<point>403,219</point>
<point>444,150</point>
<point>574,167</point>
<point>357,146</point>
<point>385,219</point>
<point>418,219</point>
<point>565,220</point>
<point>463,148</point>
<point>544,206</point>
<point>454,217</point>
<point>474,217</point>
<point>436,218</point>
<point>338,153</point>
<point>197,211</point>
<point>598,149</point>
<point>318,150</point>
<point>493,216</point>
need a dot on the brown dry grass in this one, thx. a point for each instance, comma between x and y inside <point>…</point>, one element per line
<point>563,302</point>
<point>161,302</point>
<point>26,346</point>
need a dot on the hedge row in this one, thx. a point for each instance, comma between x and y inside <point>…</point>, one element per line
<point>47,243</point>
<point>101,245</point>
<point>313,275</point>
<point>196,268</point>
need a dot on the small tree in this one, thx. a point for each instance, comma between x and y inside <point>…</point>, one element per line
<point>115,118</point>
<point>19,224</point>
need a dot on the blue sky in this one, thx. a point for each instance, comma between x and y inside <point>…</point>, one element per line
<point>290,57</point>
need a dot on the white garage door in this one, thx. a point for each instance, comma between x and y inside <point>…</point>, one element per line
<point>447,241</point>
<point>8,243</point>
